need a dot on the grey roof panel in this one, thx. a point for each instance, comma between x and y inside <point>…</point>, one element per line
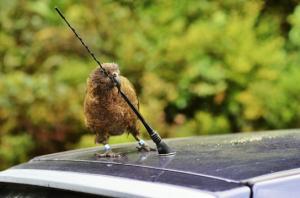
<point>232,157</point>
<point>212,163</point>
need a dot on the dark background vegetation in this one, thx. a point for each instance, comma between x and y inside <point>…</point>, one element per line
<point>199,67</point>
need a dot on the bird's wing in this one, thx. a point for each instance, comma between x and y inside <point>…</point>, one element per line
<point>129,90</point>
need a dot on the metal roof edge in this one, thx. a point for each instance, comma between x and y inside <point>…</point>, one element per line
<point>89,183</point>
<point>154,168</point>
<point>240,192</point>
<point>276,175</point>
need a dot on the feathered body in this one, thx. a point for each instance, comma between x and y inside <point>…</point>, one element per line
<point>106,113</point>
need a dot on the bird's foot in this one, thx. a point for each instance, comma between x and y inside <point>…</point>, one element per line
<point>108,154</point>
<point>145,147</point>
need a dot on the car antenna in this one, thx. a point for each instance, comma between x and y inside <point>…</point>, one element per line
<point>162,147</point>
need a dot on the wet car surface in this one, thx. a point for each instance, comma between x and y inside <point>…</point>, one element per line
<point>236,157</point>
<point>209,163</point>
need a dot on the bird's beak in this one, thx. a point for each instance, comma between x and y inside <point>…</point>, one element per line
<point>117,80</point>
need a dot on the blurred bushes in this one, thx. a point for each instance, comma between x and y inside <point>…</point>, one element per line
<point>200,67</point>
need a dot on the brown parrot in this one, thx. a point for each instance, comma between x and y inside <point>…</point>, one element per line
<point>106,113</point>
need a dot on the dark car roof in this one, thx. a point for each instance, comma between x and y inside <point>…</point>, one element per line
<point>212,163</point>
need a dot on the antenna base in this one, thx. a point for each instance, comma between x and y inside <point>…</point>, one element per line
<point>164,149</point>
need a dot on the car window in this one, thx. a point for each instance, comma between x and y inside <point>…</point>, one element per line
<point>9,190</point>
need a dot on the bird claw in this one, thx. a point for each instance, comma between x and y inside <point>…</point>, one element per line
<point>108,154</point>
<point>145,148</point>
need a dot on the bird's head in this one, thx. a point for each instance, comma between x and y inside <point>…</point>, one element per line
<point>100,79</point>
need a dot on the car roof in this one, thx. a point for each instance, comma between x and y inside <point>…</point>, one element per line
<point>212,163</point>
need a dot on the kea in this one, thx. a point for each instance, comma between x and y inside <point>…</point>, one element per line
<point>106,112</point>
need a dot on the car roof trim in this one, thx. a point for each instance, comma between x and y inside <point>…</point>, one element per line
<point>235,192</point>
<point>89,183</point>
<point>272,176</point>
<point>153,167</point>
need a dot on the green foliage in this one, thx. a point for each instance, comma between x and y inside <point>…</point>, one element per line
<point>19,145</point>
<point>200,67</point>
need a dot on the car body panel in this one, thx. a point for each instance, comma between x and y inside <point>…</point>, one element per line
<point>229,157</point>
<point>97,184</point>
<point>222,165</point>
<point>277,188</point>
<point>148,174</point>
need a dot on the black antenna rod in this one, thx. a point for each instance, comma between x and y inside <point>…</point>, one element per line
<point>162,147</point>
